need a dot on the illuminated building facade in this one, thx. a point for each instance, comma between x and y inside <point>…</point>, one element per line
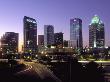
<point>30,35</point>
<point>58,39</point>
<point>72,43</point>
<point>76,32</point>
<point>48,35</point>
<point>96,33</point>
<point>9,43</point>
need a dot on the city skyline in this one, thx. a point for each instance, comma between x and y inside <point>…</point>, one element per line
<point>54,40</point>
<point>14,11</point>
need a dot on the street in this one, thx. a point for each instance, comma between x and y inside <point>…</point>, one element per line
<point>40,71</point>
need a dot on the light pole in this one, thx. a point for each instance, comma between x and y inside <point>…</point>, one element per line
<point>70,69</point>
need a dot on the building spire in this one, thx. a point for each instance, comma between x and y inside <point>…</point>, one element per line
<point>95,19</point>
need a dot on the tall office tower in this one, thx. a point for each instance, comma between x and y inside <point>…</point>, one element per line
<point>76,33</point>
<point>58,39</point>
<point>65,43</point>
<point>72,43</point>
<point>30,35</point>
<point>9,43</point>
<point>40,40</point>
<point>96,33</point>
<point>48,35</point>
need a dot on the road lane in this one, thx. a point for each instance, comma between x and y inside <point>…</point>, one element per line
<point>41,71</point>
<point>28,67</point>
<point>44,72</point>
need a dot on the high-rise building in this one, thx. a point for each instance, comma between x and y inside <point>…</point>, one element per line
<point>30,35</point>
<point>65,43</point>
<point>40,40</point>
<point>58,39</point>
<point>76,32</point>
<point>9,43</point>
<point>96,33</point>
<point>72,43</point>
<point>48,35</point>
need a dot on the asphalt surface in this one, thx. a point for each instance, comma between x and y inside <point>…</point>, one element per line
<point>36,72</point>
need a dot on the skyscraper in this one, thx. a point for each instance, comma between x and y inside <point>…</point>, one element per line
<point>9,43</point>
<point>30,35</point>
<point>58,39</point>
<point>96,33</point>
<point>48,35</point>
<point>40,40</point>
<point>72,43</point>
<point>76,32</point>
<point>65,43</point>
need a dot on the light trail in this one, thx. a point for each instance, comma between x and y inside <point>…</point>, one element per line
<point>29,67</point>
<point>43,72</point>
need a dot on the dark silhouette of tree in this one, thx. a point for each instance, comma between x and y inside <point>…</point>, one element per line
<point>94,73</point>
<point>76,71</point>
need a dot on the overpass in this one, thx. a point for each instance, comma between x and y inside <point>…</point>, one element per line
<point>104,63</point>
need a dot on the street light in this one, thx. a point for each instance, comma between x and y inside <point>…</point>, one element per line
<point>36,55</point>
<point>42,52</point>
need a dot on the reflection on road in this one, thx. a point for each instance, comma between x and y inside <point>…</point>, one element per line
<point>41,70</point>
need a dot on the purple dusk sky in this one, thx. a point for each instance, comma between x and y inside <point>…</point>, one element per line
<point>55,12</point>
